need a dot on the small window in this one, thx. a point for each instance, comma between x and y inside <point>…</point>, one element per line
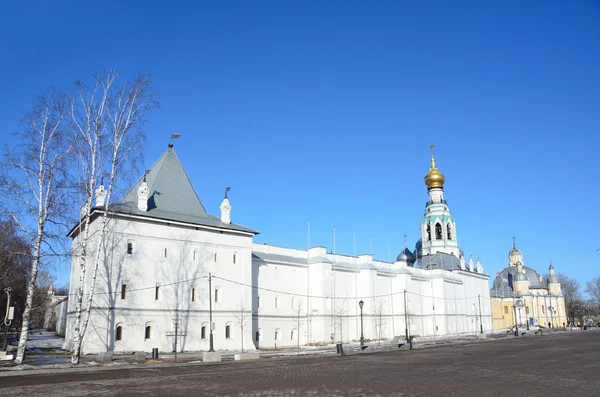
<point>277,334</point>
<point>194,255</point>
<point>276,302</point>
<point>428,232</point>
<point>293,303</point>
<point>257,336</point>
<point>203,332</point>
<point>193,294</point>
<point>123,291</point>
<point>527,309</point>
<point>215,256</point>
<point>438,231</point>
<point>543,310</point>
<point>234,258</point>
<point>449,231</point>
<point>294,334</point>
<point>148,334</point>
<point>129,248</point>
<point>119,333</point>
<point>258,301</point>
<point>216,295</point>
<point>165,252</point>
<point>505,309</point>
<point>157,292</point>
<point>228,332</point>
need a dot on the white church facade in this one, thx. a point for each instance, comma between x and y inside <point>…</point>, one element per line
<point>162,248</point>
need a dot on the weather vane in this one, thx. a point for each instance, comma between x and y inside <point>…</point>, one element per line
<point>174,136</point>
<point>226,190</point>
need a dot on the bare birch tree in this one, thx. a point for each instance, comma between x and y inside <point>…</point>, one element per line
<point>242,315</point>
<point>379,319</point>
<point>34,185</point>
<point>108,122</point>
<point>299,319</point>
<point>340,315</point>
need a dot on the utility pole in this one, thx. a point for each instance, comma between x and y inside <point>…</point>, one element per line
<point>405,318</point>
<point>176,321</point>
<point>212,349</point>
<point>480,321</point>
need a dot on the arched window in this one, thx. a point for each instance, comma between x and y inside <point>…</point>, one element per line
<point>438,231</point>
<point>277,334</point>
<point>130,248</point>
<point>449,231</point>
<point>203,332</point>
<point>293,302</point>
<point>428,232</point>
<point>148,333</point>
<point>119,333</point>
<point>259,335</point>
<point>228,331</point>
<point>294,334</point>
<point>276,302</point>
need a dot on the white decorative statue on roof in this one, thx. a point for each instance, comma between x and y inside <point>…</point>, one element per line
<point>226,209</point>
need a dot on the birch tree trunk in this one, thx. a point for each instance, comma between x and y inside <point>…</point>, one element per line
<point>34,187</point>
<point>114,138</point>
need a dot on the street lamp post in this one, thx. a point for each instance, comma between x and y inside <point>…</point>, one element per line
<point>515,305</point>
<point>212,349</point>
<point>362,336</point>
<point>480,320</point>
<point>7,317</point>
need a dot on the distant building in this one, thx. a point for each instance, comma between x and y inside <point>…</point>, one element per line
<point>163,245</point>
<point>55,315</point>
<point>520,295</point>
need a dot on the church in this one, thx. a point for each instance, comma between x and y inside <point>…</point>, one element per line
<point>172,276</point>
<point>522,297</point>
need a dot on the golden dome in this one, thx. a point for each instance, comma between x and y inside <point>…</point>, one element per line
<point>434,177</point>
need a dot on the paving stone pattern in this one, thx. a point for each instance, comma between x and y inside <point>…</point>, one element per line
<point>562,364</point>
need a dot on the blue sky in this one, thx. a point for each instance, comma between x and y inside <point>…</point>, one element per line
<point>325,111</point>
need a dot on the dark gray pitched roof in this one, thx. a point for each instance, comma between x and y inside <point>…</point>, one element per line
<point>439,260</point>
<point>171,196</point>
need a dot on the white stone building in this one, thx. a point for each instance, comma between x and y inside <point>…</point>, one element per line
<point>163,245</point>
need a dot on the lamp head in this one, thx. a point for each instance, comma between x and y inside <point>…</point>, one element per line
<point>361,303</point>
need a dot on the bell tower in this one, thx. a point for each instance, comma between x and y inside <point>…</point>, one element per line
<point>438,226</point>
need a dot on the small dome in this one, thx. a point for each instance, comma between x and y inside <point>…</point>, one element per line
<point>434,177</point>
<point>514,251</point>
<point>406,256</point>
<point>520,276</point>
<point>552,279</point>
<point>418,249</point>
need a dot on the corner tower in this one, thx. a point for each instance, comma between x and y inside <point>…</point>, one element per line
<point>438,226</point>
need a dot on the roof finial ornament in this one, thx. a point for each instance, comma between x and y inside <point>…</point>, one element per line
<point>146,173</point>
<point>405,240</point>
<point>174,136</point>
<point>514,239</point>
<point>226,190</point>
